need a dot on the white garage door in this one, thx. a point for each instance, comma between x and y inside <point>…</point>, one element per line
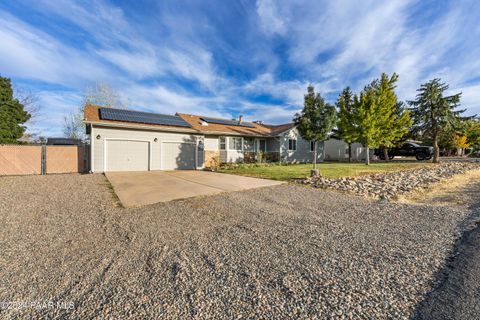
<point>177,155</point>
<point>125,155</point>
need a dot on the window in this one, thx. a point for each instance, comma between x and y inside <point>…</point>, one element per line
<point>312,146</point>
<point>235,143</point>
<point>222,142</point>
<point>292,144</point>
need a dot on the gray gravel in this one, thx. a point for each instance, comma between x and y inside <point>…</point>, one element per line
<point>280,252</point>
<point>392,184</point>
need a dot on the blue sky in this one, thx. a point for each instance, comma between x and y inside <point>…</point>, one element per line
<point>225,58</point>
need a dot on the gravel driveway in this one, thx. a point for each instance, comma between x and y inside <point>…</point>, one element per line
<point>277,252</point>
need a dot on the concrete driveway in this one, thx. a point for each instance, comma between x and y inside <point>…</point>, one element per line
<point>141,188</point>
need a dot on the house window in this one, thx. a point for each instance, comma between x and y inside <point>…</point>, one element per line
<point>292,144</point>
<point>235,143</point>
<point>222,142</point>
<point>312,146</point>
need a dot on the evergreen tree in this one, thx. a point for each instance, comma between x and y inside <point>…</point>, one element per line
<point>12,114</point>
<point>316,120</point>
<point>347,128</point>
<point>433,112</point>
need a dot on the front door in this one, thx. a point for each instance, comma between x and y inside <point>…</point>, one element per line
<point>262,145</point>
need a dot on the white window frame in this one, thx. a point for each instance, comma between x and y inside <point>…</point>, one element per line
<point>224,143</point>
<point>294,144</point>
<point>258,145</point>
<point>232,148</point>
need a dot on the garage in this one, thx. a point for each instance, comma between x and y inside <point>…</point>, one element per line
<point>127,155</point>
<point>178,155</point>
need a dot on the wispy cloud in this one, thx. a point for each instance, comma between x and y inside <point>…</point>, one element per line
<point>228,58</point>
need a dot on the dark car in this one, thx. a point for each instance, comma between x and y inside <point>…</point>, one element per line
<point>408,149</point>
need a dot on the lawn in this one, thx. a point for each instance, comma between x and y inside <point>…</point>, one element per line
<point>327,169</point>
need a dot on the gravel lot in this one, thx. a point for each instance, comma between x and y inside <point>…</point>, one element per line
<point>279,252</point>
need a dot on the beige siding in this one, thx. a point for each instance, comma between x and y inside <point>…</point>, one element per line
<point>211,143</point>
<point>132,134</point>
<point>178,155</point>
<point>303,153</point>
<point>337,150</point>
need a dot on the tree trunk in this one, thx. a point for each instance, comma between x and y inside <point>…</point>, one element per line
<point>349,152</point>
<point>385,154</point>
<point>367,156</point>
<point>315,172</point>
<point>436,154</point>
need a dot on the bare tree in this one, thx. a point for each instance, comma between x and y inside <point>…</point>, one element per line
<point>73,126</point>
<point>99,94</point>
<point>30,102</point>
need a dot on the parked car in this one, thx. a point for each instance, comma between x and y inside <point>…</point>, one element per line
<point>408,149</point>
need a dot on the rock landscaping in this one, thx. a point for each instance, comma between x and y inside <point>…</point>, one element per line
<point>390,185</point>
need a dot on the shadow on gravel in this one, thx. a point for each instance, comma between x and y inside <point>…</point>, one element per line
<point>456,287</point>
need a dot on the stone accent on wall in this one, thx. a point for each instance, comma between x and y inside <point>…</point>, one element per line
<point>212,159</point>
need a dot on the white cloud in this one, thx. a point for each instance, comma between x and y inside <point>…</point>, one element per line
<point>270,19</point>
<point>30,53</point>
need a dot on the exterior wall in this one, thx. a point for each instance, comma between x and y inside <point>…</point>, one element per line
<point>211,143</point>
<point>303,153</point>
<point>273,144</point>
<point>98,145</point>
<point>337,150</point>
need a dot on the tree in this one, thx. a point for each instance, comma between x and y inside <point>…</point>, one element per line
<point>459,141</point>
<point>433,112</point>
<point>347,128</point>
<point>73,126</point>
<point>12,114</point>
<point>378,118</point>
<point>316,121</point>
<point>394,119</point>
<point>472,131</point>
<point>99,94</point>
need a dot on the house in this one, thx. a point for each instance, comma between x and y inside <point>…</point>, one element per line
<point>126,140</point>
<point>335,149</point>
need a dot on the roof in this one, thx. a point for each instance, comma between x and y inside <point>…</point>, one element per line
<point>92,115</point>
<point>275,130</point>
<point>196,122</point>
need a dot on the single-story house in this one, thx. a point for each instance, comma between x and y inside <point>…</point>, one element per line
<point>126,140</point>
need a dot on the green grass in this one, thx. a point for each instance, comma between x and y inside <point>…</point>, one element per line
<point>327,169</point>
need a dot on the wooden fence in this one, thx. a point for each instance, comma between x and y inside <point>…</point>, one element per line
<point>41,159</point>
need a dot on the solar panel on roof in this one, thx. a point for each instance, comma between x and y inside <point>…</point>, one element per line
<point>142,117</point>
<point>228,122</point>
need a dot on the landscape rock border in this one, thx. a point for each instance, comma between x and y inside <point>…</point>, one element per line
<point>388,186</point>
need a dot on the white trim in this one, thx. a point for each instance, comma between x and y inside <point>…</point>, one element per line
<point>150,151</point>
<point>288,145</point>
<point>258,145</point>
<point>92,148</point>
<point>140,127</point>
<point>186,142</point>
